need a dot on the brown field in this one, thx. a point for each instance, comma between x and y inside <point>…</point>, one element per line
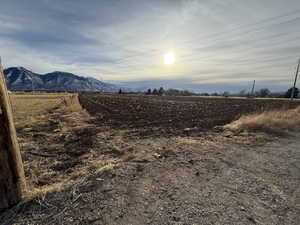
<point>171,115</point>
<point>129,159</point>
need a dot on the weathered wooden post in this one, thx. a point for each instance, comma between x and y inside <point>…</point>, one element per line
<point>12,178</point>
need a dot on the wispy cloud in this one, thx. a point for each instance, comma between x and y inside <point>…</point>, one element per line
<point>218,44</point>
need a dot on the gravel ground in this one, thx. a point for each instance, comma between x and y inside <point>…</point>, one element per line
<point>182,180</point>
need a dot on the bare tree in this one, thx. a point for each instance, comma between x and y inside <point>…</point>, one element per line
<point>264,92</point>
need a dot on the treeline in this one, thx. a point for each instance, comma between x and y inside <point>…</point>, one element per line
<point>262,93</point>
<point>169,92</point>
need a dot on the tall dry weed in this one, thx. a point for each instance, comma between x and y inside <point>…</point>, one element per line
<point>279,121</point>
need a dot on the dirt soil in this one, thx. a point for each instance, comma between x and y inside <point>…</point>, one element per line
<point>165,115</point>
<point>83,172</point>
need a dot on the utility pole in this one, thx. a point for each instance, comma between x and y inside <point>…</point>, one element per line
<point>295,81</point>
<point>12,178</point>
<point>252,91</point>
<point>32,86</point>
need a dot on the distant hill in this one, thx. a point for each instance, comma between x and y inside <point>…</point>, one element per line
<point>21,79</point>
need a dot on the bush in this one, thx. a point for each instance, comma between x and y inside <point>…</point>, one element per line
<point>264,92</point>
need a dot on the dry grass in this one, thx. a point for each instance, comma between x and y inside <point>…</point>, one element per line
<point>280,121</point>
<point>31,108</point>
<point>27,108</point>
<point>41,120</point>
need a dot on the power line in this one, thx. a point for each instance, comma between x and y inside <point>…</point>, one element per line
<point>241,27</point>
<point>216,40</point>
<point>246,26</point>
<point>255,44</point>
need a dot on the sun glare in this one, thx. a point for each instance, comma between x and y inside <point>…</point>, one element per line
<point>169,58</point>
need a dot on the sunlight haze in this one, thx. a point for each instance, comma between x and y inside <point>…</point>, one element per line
<point>169,58</point>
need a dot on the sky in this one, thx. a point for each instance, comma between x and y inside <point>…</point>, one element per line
<point>219,45</point>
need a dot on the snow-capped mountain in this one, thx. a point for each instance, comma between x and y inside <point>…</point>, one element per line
<point>21,79</point>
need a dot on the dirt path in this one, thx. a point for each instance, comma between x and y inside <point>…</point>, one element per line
<point>180,180</point>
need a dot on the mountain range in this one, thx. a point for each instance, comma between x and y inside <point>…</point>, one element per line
<point>21,79</point>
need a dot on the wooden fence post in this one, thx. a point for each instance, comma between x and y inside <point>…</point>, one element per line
<point>12,178</point>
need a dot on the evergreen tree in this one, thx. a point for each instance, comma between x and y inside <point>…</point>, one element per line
<point>155,91</point>
<point>161,91</point>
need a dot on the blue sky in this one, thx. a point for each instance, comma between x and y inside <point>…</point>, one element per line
<point>220,45</point>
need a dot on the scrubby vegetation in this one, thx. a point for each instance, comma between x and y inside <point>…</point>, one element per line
<point>275,121</point>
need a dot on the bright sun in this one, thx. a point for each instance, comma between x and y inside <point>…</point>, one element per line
<point>169,58</point>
